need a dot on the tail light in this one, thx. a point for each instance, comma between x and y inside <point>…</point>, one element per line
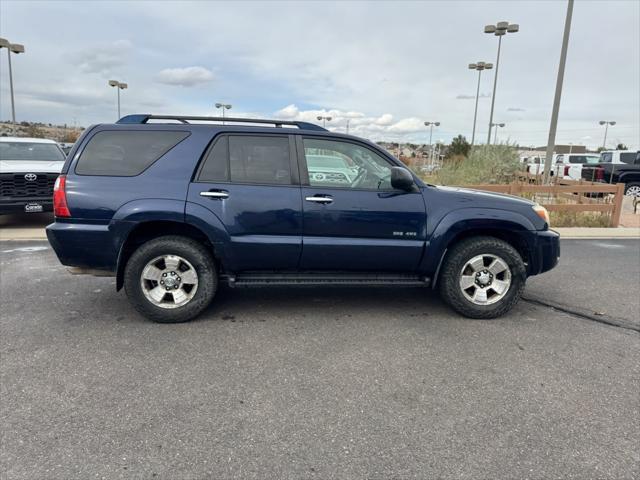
<point>566,170</point>
<point>599,171</point>
<point>60,208</point>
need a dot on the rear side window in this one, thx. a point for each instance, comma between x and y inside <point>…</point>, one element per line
<point>627,157</point>
<point>260,159</point>
<point>126,153</point>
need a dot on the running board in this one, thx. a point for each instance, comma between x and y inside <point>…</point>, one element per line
<point>328,279</point>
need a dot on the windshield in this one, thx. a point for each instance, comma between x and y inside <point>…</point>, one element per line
<point>46,152</point>
<point>593,159</point>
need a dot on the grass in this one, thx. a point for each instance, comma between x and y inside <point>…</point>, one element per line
<point>579,219</point>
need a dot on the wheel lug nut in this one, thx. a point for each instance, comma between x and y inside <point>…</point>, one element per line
<point>164,274</point>
<point>161,282</point>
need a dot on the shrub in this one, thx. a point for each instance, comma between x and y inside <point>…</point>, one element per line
<point>486,164</point>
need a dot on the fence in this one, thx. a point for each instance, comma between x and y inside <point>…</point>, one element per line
<point>586,196</point>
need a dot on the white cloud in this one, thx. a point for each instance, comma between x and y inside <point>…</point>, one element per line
<point>185,77</point>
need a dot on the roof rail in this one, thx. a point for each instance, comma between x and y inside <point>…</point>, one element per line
<point>145,117</point>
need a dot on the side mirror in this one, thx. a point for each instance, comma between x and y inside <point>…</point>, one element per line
<point>401,179</point>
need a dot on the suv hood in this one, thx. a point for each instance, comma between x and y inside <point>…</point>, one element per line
<point>25,166</point>
<point>479,196</point>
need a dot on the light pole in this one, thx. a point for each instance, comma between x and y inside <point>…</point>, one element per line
<point>348,120</point>
<point>324,120</point>
<point>480,66</point>
<point>495,134</point>
<point>224,106</point>
<point>431,125</point>
<point>606,124</point>
<point>11,48</point>
<point>499,30</point>
<point>551,141</point>
<point>119,86</point>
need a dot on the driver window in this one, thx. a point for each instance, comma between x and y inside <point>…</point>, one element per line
<point>336,164</point>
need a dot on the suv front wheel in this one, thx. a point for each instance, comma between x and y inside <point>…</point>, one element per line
<point>170,279</point>
<point>482,277</point>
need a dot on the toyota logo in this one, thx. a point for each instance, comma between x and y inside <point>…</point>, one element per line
<point>30,177</point>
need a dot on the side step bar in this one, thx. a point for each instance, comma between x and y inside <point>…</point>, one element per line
<point>328,279</point>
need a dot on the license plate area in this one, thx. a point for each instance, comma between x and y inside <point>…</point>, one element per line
<point>33,208</point>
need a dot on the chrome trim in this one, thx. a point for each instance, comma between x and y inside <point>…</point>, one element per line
<point>215,194</point>
<point>319,199</point>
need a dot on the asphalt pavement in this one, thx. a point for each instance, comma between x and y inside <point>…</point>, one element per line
<point>317,383</point>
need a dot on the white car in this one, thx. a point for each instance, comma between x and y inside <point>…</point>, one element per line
<point>29,168</point>
<point>569,165</point>
<point>564,165</point>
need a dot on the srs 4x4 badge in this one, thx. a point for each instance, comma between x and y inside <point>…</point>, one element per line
<point>405,234</point>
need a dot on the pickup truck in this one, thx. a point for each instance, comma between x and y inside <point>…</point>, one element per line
<point>28,170</point>
<point>173,208</point>
<point>616,167</point>
<point>565,165</point>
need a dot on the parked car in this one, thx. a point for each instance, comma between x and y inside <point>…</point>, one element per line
<point>328,169</point>
<point>66,147</point>
<point>174,209</point>
<point>569,165</point>
<point>28,170</point>
<point>616,167</point>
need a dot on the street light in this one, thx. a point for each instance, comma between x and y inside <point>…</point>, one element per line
<point>480,66</point>
<point>499,30</point>
<point>119,86</point>
<point>224,106</point>
<point>431,125</point>
<point>348,120</point>
<point>606,123</point>
<point>17,49</point>
<point>495,135</point>
<point>324,120</point>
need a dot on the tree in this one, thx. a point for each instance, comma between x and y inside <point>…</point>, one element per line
<point>459,146</point>
<point>34,131</point>
<point>622,146</point>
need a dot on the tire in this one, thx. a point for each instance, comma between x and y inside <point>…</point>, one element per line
<point>632,189</point>
<point>191,296</point>
<point>502,288</point>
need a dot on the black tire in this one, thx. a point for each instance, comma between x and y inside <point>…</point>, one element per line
<point>192,251</point>
<point>628,186</point>
<point>454,262</point>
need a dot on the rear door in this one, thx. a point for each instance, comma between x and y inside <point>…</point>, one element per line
<point>353,219</point>
<point>249,182</point>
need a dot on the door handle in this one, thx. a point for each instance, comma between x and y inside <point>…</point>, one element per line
<point>215,194</point>
<point>319,199</point>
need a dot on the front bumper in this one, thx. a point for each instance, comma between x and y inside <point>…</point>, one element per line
<point>18,206</point>
<point>547,252</point>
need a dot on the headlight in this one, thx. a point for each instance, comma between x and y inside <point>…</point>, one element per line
<point>541,212</point>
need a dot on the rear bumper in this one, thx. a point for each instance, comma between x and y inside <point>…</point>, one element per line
<point>18,205</point>
<point>84,245</point>
<point>547,252</point>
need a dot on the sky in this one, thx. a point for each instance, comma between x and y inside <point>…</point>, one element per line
<point>385,66</point>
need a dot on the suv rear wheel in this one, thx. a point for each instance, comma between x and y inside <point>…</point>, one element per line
<point>170,279</point>
<point>482,277</point>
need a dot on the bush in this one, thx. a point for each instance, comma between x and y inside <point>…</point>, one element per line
<point>486,164</point>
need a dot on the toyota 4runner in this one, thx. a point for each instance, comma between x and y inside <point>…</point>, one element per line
<point>173,206</point>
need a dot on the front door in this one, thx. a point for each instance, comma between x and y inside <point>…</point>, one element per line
<point>353,219</point>
<point>249,184</point>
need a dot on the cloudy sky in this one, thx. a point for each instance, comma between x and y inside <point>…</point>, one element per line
<point>385,66</point>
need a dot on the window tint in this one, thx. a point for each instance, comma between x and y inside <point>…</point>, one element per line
<point>606,157</point>
<point>260,159</point>
<point>127,153</point>
<point>577,159</point>
<point>627,157</point>
<point>332,163</point>
<point>216,165</point>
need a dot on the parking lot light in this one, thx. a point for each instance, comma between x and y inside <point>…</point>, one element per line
<point>16,48</point>
<point>480,66</point>
<point>324,120</point>
<point>500,29</point>
<point>119,86</point>
<point>431,125</point>
<point>606,124</point>
<point>223,106</point>
<point>495,135</point>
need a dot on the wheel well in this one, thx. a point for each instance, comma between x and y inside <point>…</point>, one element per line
<point>511,237</point>
<point>146,231</point>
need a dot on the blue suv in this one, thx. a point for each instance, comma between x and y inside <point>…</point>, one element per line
<point>172,206</point>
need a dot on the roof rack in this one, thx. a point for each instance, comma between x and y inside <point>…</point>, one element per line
<point>145,117</point>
